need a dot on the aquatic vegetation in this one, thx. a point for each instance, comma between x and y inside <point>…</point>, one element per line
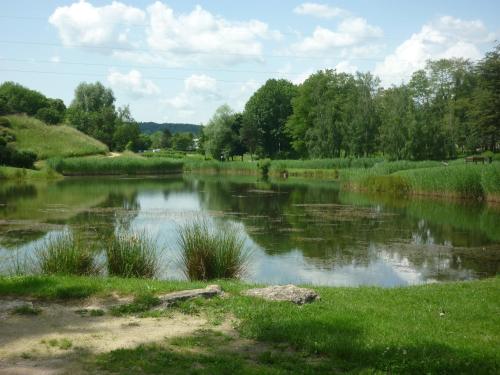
<point>65,254</point>
<point>212,253</point>
<point>132,255</point>
<point>120,165</point>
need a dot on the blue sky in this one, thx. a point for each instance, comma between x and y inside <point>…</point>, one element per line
<point>177,61</point>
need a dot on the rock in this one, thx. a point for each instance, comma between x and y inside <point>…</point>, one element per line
<point>290,293</point>
<point>208,292</point>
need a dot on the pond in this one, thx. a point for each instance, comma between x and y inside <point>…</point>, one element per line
<point>307,232</point>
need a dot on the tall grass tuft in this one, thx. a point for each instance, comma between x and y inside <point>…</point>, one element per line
<point>210,253</point>
<point>65,254</point>
<point>132,255</point>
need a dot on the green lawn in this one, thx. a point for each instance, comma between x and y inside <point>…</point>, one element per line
<point>449,328</point>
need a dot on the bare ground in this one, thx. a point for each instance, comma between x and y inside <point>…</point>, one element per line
<point>56,340</point>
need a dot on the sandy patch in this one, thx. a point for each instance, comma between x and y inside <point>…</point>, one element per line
<point>39,344</point>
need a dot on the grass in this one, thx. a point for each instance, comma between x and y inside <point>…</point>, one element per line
<point>49,141</point>
<point>209,253</point>
<point>132,255</point>
<point>446,328</point>
<point>141,303</point>
<point>64,254</point>
<point>27,310</point>
<point>63,344</point>
<point>120,165</point>
<point>22,174</point>
<point>457,180</point>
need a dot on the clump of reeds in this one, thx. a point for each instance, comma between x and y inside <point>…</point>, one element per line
<point>212,253</point>
<point>65,254</point>
<point>132,255</point>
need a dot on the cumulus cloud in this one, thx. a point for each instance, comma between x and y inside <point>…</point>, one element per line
<point>83,24</point>
<point>445,37</point>
<point>349,33</point>
<point>320,10</point>
<point>198,90</point>
<point>346,66</point>
<point>132,83</point>
<point>168,37</point>
<point>202,35</point>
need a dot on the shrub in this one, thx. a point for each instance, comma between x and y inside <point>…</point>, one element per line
<point>64,254</point>
<point>4,122</point>
<point>132,255</point>
<point>207,253</point>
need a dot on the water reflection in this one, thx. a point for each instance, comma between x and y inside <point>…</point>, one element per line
<point>300,232</point>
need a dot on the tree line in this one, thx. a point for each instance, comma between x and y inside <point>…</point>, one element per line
<point>450,107</point>
<point>93,111</point>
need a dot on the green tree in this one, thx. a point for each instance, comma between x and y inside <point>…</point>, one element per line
<point>265,116</point>
<point>486,99</point>
<point>222,133</point>
<point>92,111</point>
<point>183,141</point>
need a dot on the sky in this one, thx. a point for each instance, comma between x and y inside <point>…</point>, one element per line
<point>178,61</point>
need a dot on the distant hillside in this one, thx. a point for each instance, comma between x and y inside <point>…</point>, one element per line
<point>151,127</point>
<point>51,140</point>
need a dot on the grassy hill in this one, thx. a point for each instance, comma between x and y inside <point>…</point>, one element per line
<point>52,141</point>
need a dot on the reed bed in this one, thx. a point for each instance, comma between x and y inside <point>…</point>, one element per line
<point>132,255</point>
<point>121,165</point>
<point>65,254</point>
<point>209,253</point>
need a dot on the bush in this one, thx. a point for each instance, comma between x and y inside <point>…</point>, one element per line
<point>49,116</point>
<point>11,157</point>
<point>212,254</point>
<point>64,254</point>
<point>132,255</point>
<point>4,121</point>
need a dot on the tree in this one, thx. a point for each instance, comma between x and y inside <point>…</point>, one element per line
<point>183,141</point>
<point>486,101</point>
<point>264,118</point>
<point>92,111</point>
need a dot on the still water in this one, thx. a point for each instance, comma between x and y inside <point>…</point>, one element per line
<point>305,232</point>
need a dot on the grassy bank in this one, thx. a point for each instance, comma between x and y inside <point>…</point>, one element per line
<point>456,180</point>
<point>120,165</point>
<point>49,141</point>
<point>440,329</point>
<point>22,174</point>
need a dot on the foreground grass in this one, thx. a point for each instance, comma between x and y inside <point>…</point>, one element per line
<point>448,328</point>
<point>121,165</point>
<point>52,141</point>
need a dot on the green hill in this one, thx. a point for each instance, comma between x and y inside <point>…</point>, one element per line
<point>50,140</point>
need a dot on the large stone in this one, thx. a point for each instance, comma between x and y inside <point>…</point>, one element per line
<point>290,293</point>
<point>208,292</point>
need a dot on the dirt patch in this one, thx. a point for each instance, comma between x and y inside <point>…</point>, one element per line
<point>54,341</point>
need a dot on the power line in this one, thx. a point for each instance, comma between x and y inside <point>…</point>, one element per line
<point>137,66</point>
<point>215,54</point>
<point>103,75</point>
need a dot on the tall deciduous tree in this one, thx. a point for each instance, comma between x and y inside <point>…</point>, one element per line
<point>265,116</point>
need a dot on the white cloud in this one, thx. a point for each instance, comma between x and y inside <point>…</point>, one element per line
<point>202,36</point>
<point>168,38</point>
<point>446,37</point>
<point>346,66</point>
<point>198,91</point>
<point>320,10</point>
<point>55,59</point>
<point>133,83</point>
<point>82,24</point>
<point>350,32</point>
